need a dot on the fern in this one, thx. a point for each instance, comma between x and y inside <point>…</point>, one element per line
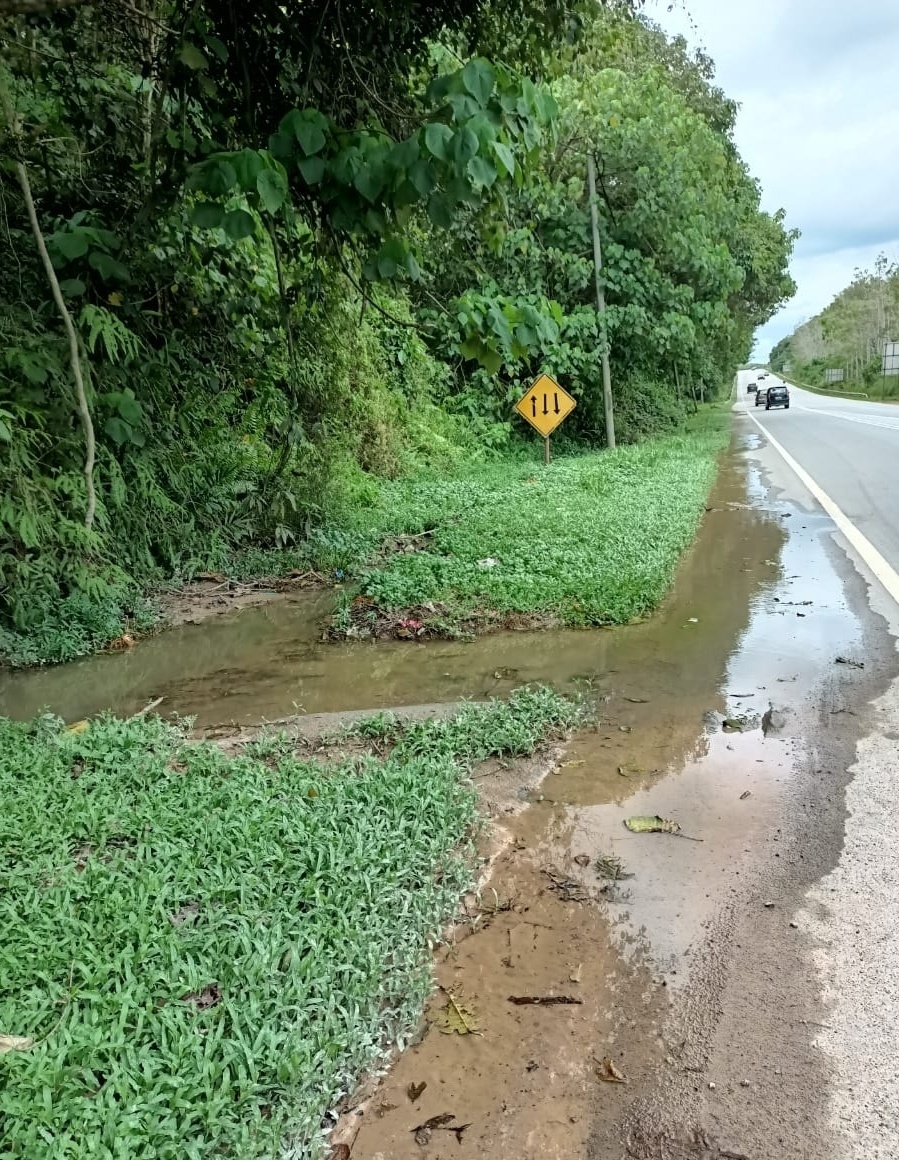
<point>104,329</point>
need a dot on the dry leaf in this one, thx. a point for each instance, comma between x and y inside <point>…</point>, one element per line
<point>414,1090</point>
<point>205,998</point>
<point>15,1043</point>
<point>339,1152</point>
<point>455,1019</point>
<point>383,1108</point>
<point>582,859</point>
<point>608,1072</point>
<point>571,764</point>
<point>78,727</point>
<point>622,772</point>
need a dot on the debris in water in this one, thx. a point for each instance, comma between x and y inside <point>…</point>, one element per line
<point>624,728</point>
<point>608,866</point>
<point>847,661</point>
<point>609,1073</point>
<point>414,1090</point>
<point>442,1123</point>
<point>582,859</point>
<point>745,794</point>
<point>622,772</point>
<point>637,700</point>
<point>653,824</point>
<point>455,1019</point>
<point>15,1043</point>
<point>567,889</point>
<point>545,1000</point>
<point>732,725</point>
<point>571,764</point>
<point>769,906</point>
<point>575,976</point>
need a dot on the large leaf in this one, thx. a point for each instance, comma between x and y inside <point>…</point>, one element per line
<point>271,186</point>
<point>109,268</point>
<point>438,140</point>
<point>465,145</point>
<point>482,171</point>
<point>506,156</point>
<point>239,224</point>
<point>423,177</point>
<point>478,77</point>
<point>72,244</point>
<point>312,169</point>
<point>192,57</point>
<point>208,215</point>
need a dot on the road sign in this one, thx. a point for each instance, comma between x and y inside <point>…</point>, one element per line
<point>545,405</point>
<point>890,362</point>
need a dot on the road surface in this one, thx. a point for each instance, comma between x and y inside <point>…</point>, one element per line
<point>849,447</point>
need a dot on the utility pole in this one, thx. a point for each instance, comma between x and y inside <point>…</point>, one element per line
<point>600,303</point>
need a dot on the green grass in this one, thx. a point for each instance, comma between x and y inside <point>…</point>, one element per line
<point>207,951</point>
<point>592,539</point>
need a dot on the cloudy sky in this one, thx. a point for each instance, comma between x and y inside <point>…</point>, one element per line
<point>818,85</point>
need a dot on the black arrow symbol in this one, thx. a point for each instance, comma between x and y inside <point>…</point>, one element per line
<point>534,406</point>
<point>556,397</point>
<point>545,404</point>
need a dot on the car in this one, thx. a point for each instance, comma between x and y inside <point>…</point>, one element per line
<point>763,375</point>
<point>777,396</point>
<point>750,388</point>
<point>760,396</point>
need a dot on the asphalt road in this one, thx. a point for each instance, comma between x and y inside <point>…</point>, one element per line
<point>849,447</point>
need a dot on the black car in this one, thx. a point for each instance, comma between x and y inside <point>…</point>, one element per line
<point>760,396</point>
<point>750,389</point>
<point>777,396</point>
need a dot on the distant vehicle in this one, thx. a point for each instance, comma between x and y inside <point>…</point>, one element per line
<point>760,395</point>
<point>750,388</point>
<point>777,396</point>
<point>763,375</point>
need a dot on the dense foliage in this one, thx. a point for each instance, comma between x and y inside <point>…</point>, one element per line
<point>849,334</point>
<point>297,252</point>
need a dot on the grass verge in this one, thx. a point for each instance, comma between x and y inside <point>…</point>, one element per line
<point>203,952</point>
<point>592,539</point>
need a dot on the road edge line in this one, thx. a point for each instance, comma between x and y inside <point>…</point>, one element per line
<point>883,571</point>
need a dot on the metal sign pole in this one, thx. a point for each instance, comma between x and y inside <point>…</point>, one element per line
<point>546,450</point>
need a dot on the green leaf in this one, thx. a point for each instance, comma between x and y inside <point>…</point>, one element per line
<point>239,224</point>
<point>72,287</point>
<point>423,177</point>
<point>312,169</point>
<point>478,77</point>
<point>207,216</point>
<point>438,139</point>
<point>272,188</point>
<point>5,432</point>
<point>117,430</point>
<point>440,211</point>
<point>109,268</point>
<point>72,244</point>
<point>130,410</point>
<point>465,145</point>
<point>192,57</point>
<point>217,48</point>
<point>506,156</point>
<point>482,171</point>
<point>369,181</point>
<point>248,164</point>
<point>215,177</point>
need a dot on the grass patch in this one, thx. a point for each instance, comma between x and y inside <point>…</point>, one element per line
<point>592,539</point>
<point>208,950</point>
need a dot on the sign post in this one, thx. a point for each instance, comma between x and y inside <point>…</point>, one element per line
<point>545,405</point>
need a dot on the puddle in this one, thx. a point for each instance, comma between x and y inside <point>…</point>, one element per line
<point>267,662</point>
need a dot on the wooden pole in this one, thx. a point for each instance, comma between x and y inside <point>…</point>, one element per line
<point>600,304</point>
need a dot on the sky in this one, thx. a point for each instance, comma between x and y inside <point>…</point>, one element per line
<point>818,86</point>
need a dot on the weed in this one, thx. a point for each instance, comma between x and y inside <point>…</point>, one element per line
<point>207,952</point>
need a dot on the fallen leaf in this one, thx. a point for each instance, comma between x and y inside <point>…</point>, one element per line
<point>455,1019</point>
<point>622,772</point>
<point>422,1132</point>
<point>15,1043</point>
<point>544,1000</point>
<point>571,764</point>
<point>608,866</point>
<point>78,727</point>
<point>652,824</point>
<point>184,913</point>
<point>637,700</point>
<point>609,1073</point>
<point>582,859</point>
<point>624,728</point>
<point>208,996</point>
<point>383,1108</point>
<point>414,1090</point>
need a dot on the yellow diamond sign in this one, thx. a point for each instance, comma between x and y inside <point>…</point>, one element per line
<point>545,405</point>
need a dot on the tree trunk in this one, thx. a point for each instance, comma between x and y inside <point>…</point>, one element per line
<point>87,424</point>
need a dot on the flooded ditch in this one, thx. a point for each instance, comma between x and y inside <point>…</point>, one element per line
<point>757,613</point>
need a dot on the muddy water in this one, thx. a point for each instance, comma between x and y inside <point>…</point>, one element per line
<point>741,637</point>
<point>268,662</point>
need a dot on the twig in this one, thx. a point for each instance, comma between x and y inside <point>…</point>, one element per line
<point>148,708</point>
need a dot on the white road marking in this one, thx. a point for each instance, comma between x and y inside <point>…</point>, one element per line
<point>881,569</point>
<point>888,424</point>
